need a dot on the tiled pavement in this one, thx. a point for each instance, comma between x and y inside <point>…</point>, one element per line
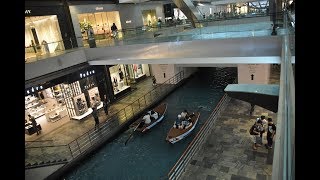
<point>227,152</point>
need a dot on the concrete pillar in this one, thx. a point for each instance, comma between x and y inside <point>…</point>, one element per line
<point>254,73</point>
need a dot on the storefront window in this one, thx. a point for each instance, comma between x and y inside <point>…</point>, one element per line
<point>119,78</point>
<point>100,22</point>
<point>149,17</point>
<point>42,35</point>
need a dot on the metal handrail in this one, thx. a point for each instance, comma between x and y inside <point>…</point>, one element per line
<point>284,151</point>
<point>79,145</point>
<point>177,169</point>
<point>76,150</point>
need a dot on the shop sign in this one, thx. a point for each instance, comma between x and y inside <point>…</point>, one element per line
<point>128,21</point>
<point>28,11</point>
<point>99,8</point>
<point>163,67</point>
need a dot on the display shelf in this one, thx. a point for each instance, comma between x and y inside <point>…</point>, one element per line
<point>83,115</point>
<point>100,106</point>
<point>122,89</point>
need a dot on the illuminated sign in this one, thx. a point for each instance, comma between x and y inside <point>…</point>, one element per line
<point>99,8</point>
<point>28,11</point>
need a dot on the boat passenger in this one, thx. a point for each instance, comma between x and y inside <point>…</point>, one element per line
<point>154,115</point>
<point>147,119</point>
<point>185,114</point>
<point>185,123</point>
<point>177,123</point>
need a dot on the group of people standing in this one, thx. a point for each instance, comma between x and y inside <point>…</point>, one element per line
<point>257,130</point>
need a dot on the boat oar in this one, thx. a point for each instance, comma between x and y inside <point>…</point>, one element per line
<point>125,143</point>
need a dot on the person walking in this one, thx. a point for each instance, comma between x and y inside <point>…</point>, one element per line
<point>271,131</point>
<point>34,124</point>
<point>106,104</point>
<point>96,117</point>
<point>114,30</point>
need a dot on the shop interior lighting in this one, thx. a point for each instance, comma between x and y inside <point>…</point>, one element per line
<point>84,75</point>
<point>87,73</point>
<point>92,71</point>
<point>28,92</point>
<point>80,75</point>
<point>41,87</point>
<point>32,89</point>
<point>37,88</point>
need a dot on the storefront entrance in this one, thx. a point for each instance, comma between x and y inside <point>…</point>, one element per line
<point>42,36</point>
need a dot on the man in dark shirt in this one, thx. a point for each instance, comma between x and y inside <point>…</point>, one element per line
<point>34,124</point>
<point>270,133</point>
<point>96,117</point>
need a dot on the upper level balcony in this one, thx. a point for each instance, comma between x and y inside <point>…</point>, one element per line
<point>216,27</point>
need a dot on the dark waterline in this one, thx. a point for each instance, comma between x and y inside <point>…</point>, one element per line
<point>149,156</point>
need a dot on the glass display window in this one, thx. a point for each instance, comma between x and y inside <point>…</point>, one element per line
<point>119,78</point>
<point>42,35</point>
<point>149,17</point>
<point>80,104</point>
<point>100,22</point>
<point>94,96</point>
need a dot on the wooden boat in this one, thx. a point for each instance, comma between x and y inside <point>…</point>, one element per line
<point>161,110</point>
<point>175,134</point>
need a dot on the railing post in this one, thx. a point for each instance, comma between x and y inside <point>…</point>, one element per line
<point>78,146</point>
<point>89,138</point>
<point>70,151</point>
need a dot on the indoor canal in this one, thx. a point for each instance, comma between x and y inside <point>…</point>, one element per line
<point>149,155</point>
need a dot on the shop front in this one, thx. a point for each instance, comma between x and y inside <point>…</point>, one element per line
<point>94,20</point>
<point>47,29</point>
<point>123,76</point>
<point>69,97</point>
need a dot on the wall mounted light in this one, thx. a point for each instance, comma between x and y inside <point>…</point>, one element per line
<point>37,88</point>
<point>87,73</point>
<point>32,89</point>
<point>28,92</point>
<point>80,75</point>
<point>92,71</point>
<point>41,87</point>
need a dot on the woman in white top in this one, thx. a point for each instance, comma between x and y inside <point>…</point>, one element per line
<point>147,119</point>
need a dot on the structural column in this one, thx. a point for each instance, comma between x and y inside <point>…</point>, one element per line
<point>253,73</point>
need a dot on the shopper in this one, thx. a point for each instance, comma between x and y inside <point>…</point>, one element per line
<point>255,130</point>
<point>34,124</point>
<point>114,30</point>
<point>106,104</point>
<point>96,117</point>
<point>45,46</point>
<point>270,133</point>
